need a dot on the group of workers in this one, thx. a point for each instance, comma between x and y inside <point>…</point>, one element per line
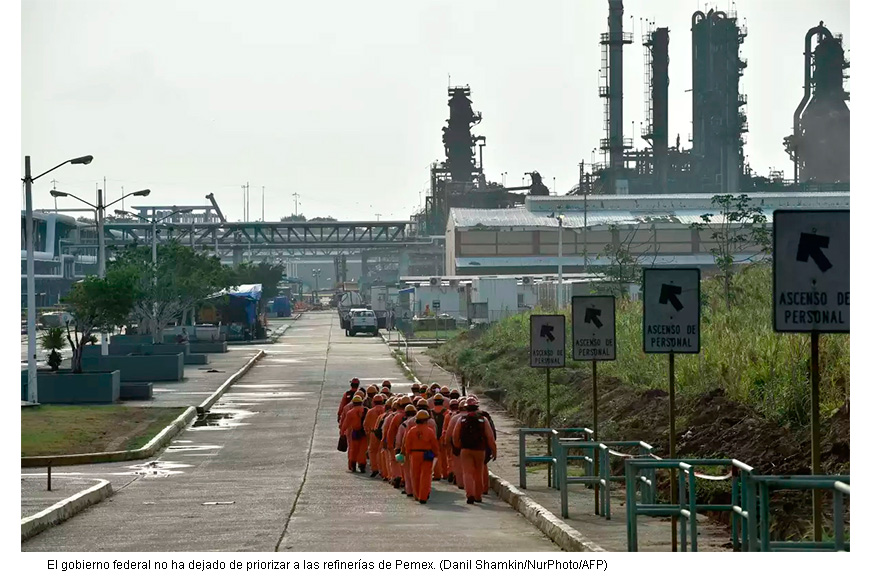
<point>410,438</point>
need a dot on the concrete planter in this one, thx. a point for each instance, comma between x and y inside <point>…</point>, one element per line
<point>148,349</point>
<point>196,359</point>
<point>131,339</point>
<point>166,367</point>
<point>64,386</point>
<point>137,391</point>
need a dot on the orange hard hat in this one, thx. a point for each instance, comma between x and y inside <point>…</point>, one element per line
<point>372,389</point>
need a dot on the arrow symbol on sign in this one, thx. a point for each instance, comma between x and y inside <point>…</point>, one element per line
<point>547,332</point>
<point>669,294</point>
<point>592,315</point>
<point>810,246</point>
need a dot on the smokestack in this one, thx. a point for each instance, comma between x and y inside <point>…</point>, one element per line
<point>614,21</point>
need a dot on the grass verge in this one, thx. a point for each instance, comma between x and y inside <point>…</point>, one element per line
<point>70,429</point>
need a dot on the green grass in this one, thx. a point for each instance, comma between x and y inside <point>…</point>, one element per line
<point>68,429</point>
<point>740,354</point>
<point>442,334</point>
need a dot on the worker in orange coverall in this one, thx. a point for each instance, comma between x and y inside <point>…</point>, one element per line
<point>346,398</point>
<point>391,431</point>
<point>473,435</point>
<point>352,428</point>
<point>446,454</point>
<point>448,436</point>
<point>406,423</point>
<point>420,447</point>
<point>384,453</point>
<point>439,415</point>
<point>369,425</point>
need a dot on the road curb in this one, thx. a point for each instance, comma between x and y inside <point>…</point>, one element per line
<point>65,509</point>
<point>558,531</point>
<point>153,446</point>
<point>212,399</point>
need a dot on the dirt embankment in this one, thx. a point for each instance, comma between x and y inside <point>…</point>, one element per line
<point>710,426</point>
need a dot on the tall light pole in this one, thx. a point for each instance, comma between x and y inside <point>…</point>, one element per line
<point>560,218</point>
<point>101,238</point>
<point>316,272</point>
<point>31,274</point>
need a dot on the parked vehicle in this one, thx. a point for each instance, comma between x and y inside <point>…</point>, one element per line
<point>363,320</point>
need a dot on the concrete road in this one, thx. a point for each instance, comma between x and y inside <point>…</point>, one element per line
<point>261,473</point>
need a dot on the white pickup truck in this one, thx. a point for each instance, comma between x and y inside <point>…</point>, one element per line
<point>362,320</point>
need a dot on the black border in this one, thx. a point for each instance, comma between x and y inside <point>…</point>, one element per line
<point>775,290</point>
<point>531,339</point>
<point>643,330</point>
<point>613,306</point>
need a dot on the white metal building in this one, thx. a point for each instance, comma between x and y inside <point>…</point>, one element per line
<point>656,229</point>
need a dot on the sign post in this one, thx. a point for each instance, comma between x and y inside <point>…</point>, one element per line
<point>547,350</point>
<point>811,294</point>
<point>671,324</point>
<point>594,335</point>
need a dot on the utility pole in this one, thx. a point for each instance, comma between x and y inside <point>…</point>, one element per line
<point>54,186</point>
<point>248,200</point>
<point>378,216</point>
<point>295,203</point>
<point>263,205</point>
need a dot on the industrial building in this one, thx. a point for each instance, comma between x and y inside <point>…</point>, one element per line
<point>598,230</point>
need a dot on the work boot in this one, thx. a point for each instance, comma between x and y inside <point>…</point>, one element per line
<point>362,467</point>
<point>374,473</point>
<point>396,482</point>
<point>423,501</point>
<point>351,466</point>
<point>470,501</point>
<point>451,478</point>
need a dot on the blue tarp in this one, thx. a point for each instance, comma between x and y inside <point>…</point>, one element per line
<point>250,293</point>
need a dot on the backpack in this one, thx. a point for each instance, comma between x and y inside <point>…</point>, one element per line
<point>439,424</point>
<point>472,432</point>
<point>379,428</point>
<point>491,423</point>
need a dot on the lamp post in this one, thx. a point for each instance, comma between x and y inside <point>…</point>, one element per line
<point>31,274</point>
<point>560,218</point>
<point>316,272</point>
<point>101,238</point>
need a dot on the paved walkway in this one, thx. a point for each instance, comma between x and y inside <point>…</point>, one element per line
<point>654,534</point>
<point>261,473</point>
<point>199,383</point>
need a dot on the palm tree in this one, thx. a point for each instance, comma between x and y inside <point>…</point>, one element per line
<point>52,339</point>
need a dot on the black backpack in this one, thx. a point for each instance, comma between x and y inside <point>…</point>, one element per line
<point>439,423</point>
<point>472,432</point>
<point>491,423</point>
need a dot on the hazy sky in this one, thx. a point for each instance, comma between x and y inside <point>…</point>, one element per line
<point>343,102</point>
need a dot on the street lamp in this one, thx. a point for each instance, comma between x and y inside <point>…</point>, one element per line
<point>559,218</point>
<point>316,272</point>
<point>101,239</point>
<point>31,274</point>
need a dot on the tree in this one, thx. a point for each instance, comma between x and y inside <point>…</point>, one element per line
<point>624,268</point>
<point>52,339</point>
<point>740,228</point>
<point>180,280</point>
<point>294,218</point>
<point>328,218</point>
<point>265,273</point>
<point>98,304</point>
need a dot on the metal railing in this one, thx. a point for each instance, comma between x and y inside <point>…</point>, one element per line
<point>764,484</point>
<point>601,482</point>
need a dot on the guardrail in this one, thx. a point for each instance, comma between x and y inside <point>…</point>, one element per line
<point>837,484</point>
<point>601,479</point>
<point>750,493</point>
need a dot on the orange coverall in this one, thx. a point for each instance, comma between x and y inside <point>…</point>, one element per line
<point>448,438</point>
<point>391,432</point>
<point>345,399</point>
<point>420,438</point>
<point>356,448</point>
<point>440,470</point>
<point>369,425</point>
<point>472,460</point>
